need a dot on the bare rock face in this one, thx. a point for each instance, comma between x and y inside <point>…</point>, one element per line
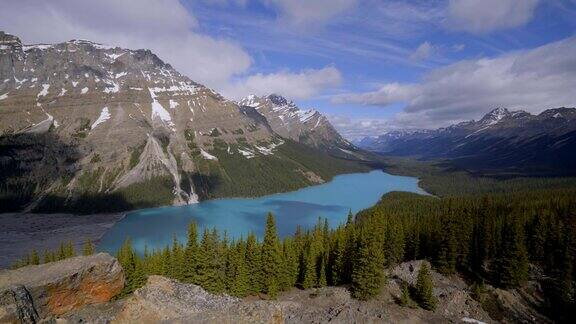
<point>16,306</point>
<point>55,288</point>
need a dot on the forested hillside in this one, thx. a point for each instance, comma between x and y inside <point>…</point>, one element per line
<point>498,239</point>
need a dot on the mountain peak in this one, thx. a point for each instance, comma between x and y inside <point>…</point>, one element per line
<point>495,116</point>
<point>277,100</point>
<point>8,41</point>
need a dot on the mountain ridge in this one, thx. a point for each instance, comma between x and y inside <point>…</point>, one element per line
<point>502,141</point>
<point>91,120</point>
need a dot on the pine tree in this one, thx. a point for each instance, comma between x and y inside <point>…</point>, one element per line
<point>133,272</point>
<point>237,271</point>
<point>191,254</point>
<point>61,252</point>
<point>424,288</point>
<point>254,264</point>
<point>47,256</point>
<point>209,264</point>
<point>405,297</point>
<point>511,268</point>
<point>446,259</point>
<point>394,244</point>
<point>289,268</point>
<point>69,250</point>
<point>368,275</point>
<point>34,258</point>
<point>88,248</point>
<point>271,258</point>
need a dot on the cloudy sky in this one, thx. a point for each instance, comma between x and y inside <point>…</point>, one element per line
<point>370,65</point>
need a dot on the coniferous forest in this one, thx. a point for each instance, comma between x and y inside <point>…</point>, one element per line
<point>493,239</point>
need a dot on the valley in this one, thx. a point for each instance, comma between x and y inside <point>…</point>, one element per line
<point>350,161</point>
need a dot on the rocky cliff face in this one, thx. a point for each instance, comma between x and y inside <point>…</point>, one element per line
<point>35,292</point>
<point>98,120</point>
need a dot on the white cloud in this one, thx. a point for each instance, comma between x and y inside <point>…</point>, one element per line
<point>311,13</point>
<point>482,16</point>
<point>423,52</point>
<point>533,80</point>
<point>301,85</point>
<point>357,128</point>
<point>164,26</point>
<point>171,32</point>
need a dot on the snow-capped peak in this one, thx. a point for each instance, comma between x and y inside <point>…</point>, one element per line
<point>278,100</point>
<point>495,116</point>
<point>250,101</point>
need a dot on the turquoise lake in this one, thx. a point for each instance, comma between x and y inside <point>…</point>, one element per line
<point>156,227</point>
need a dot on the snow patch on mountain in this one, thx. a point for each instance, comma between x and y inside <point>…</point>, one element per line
<point>44,90</point>
<point>207,155</point>
<point>247,153</point>
<point>159,111</point>
<point>104,116</point>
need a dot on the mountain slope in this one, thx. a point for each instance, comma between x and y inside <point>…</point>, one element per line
<point>503,141</point>
<point>305,126</point>
<point>81,122</point>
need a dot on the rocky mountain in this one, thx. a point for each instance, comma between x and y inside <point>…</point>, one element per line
<point>84,125</point>
<point>502,141</point>
<point>304,126</point>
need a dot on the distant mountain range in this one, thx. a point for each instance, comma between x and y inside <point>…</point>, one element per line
<point>502,142</point>
<point>93,127</point>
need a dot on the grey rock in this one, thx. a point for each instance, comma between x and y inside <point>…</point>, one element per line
<point>16,306</point>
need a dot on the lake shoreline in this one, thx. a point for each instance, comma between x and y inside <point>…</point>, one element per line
<point>154,228</point>
<point>20,233</point>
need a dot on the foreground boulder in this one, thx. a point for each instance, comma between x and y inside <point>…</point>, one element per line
<point>47,290</point>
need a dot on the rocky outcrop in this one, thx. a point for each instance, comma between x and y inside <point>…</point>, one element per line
<point>42,291</point>
<point>16,306</point>
<point>454,300</point>
<point>167,300</point>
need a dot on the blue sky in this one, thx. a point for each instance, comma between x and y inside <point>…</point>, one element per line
<point>370,65</point>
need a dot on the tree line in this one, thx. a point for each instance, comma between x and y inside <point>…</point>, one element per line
<point>493,239</point>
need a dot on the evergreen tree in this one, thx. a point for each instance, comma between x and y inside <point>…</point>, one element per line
<point>88,248</point>
<point>69,250</point>
<point>34,257</point>
<point>237,272</point>
<point>424,288</point>
<point>368,275</point>
<point>61,252</point>
<point>47,256</point>
<point>191,254</point>
<point>405,296</point>
<point>254,264</point>
<point>209,264</point>
<point>511,267</point>
<point>271,258</point>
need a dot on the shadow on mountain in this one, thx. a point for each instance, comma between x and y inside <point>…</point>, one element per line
<point>204,184</point>
<point>31,164</point>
